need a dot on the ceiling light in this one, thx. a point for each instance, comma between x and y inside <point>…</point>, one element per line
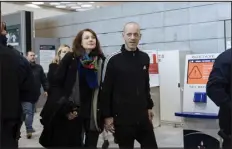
<point>60,6</point>
<point>38,3</point>
<point>91,2</point>
<point>32,6</point>
<point>86,5</point>
<point>54,3</point>
<point>81,9</point>
<point>79,3</point>
<point>75,7</point>
<point>65,2</point>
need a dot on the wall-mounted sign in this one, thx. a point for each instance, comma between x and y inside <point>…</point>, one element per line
<point>47,53</point>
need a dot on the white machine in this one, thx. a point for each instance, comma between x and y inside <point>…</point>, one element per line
<point>171,69</point>
<point>154,84</point>
<point>197,71</point>
<point>153,70</point>
<point>199,113</point>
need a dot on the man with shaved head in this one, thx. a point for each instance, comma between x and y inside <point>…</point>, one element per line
<point>40,79</point>
<point>125,96</point>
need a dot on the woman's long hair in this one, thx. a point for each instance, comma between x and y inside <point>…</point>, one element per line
<point>79,50</point>
<point>57,57</point>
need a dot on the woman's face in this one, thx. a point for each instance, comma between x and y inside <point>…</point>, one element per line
<point>64,51</point>
<point>88,41</point>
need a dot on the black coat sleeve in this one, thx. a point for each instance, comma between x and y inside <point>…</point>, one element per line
<point>51,73</point>
<point>107,89</point>
<point>219,80</point>
<point>44,80</point>
<point>61,71</point>
<point>150,103</point>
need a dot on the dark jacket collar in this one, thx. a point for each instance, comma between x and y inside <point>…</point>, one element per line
<point>33,64</point>
<point>124,50</point>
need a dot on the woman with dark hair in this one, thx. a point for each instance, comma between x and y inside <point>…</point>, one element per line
<point>79,79</point>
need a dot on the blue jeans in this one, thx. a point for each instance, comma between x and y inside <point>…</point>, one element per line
<point>28,114</point>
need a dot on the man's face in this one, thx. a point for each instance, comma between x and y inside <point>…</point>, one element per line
<point>132,35</point>
<point>31,57</point>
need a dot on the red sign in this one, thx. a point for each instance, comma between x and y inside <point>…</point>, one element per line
<point>154,66</point>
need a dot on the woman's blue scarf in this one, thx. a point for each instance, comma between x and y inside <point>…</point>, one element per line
<point>89,73</point>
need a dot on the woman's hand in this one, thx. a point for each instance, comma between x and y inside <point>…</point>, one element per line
<point>72,115</point>
<point>109,124</point>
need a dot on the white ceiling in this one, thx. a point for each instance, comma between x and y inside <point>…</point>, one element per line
<point>69,6</point>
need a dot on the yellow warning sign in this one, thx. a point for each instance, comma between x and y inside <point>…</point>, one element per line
<point>195,73</point>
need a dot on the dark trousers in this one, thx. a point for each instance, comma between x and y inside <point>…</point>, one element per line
<point>226,144</point>
<point>65,133</point>
<point>10,133</point>
<point>91,137</point>
<point>142,132</point>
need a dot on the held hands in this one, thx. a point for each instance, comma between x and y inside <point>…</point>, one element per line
<point>72,115</point>
<point>150,114</point>
<point>109,124</point>
<point>46,94</point>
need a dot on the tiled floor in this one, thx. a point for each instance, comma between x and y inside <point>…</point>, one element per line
<point>167,136</point>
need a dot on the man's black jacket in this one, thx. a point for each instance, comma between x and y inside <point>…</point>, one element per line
<point>17,83</point>
<point>40,78</point>
<point>219,88</point>
<point>125,95</point>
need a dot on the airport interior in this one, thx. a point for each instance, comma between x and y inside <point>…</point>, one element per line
<point>182,40</point>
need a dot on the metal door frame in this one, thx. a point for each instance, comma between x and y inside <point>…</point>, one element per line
<point>225,37</point>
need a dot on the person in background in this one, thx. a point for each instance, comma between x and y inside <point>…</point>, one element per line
<point>219,91</point>
<point>125,97</point>
<point>40,79</point>
<point>62,50</point>
<point>16,86</point>
<point>77,80</point>
<point>47,111</point>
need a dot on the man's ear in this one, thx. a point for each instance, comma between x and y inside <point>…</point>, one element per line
<point>122,34</point>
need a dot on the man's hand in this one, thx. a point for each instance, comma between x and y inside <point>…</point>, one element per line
<point>109,124</point>
<point>46,94</point>
<point>150,114</point>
